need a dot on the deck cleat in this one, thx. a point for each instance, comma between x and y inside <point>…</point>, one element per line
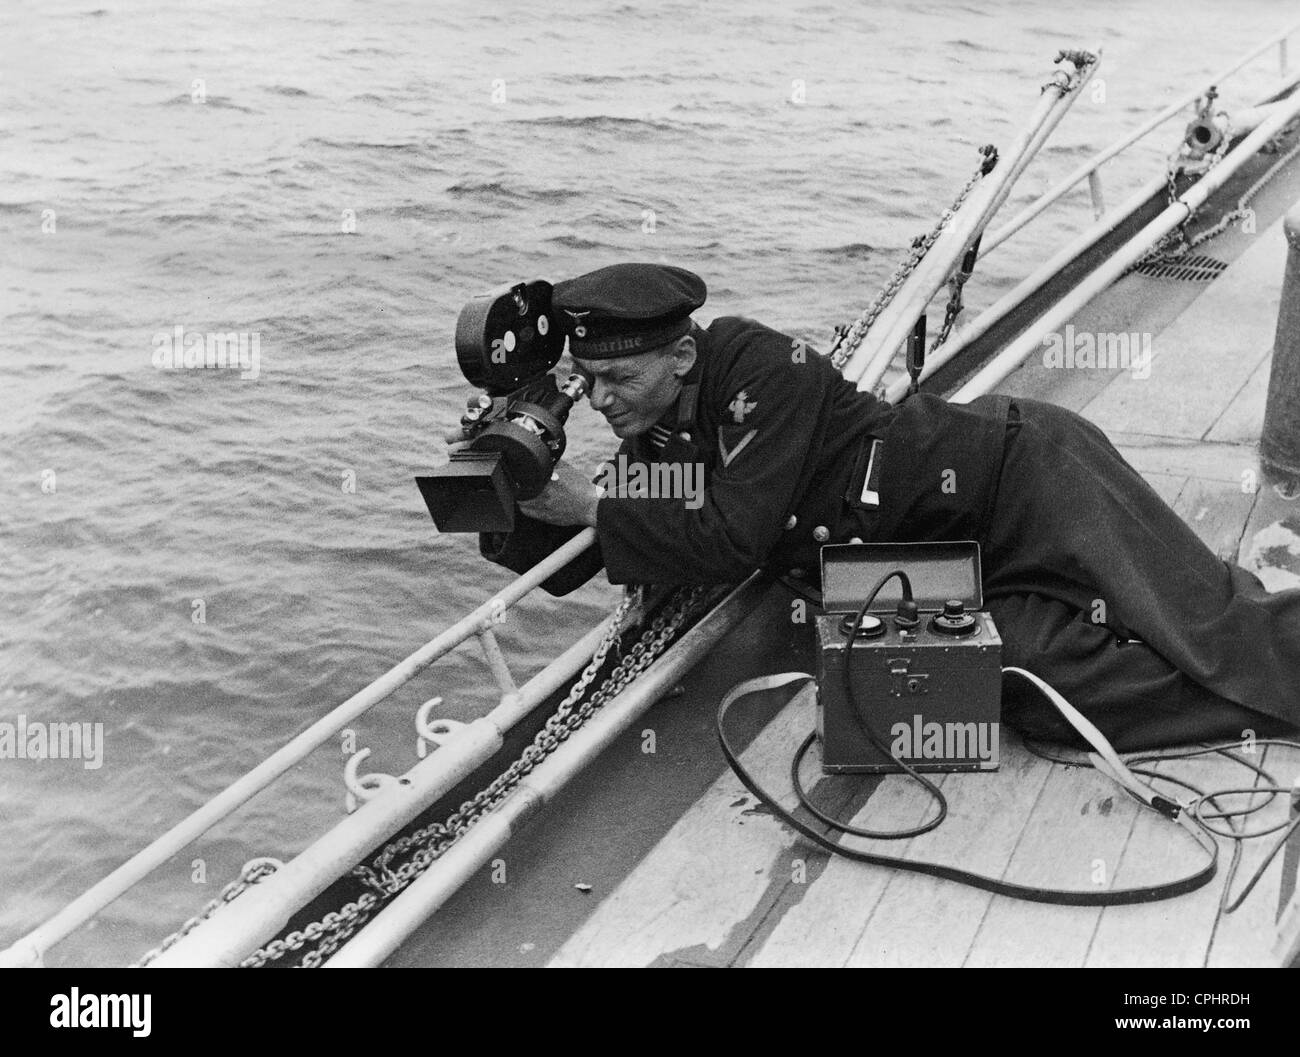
<point>432,733</point>
<point>363,787</point>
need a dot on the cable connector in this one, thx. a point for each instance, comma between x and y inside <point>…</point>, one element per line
<point>1171,809</point>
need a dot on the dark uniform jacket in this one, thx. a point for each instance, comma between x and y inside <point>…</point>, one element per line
<point>786,445</point>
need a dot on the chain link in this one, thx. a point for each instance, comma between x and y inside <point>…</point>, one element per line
<point>332,929</point>
<point>1176,244</point>
<point>422,847</point>
<point>1242,211</point>
<point>848,337</point>
<point>253,871</point>
<point>954,307</point>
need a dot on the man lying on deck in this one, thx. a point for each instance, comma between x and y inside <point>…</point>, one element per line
<point>1094,583</point>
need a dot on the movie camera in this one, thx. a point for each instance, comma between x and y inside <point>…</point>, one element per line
<point>507,342</point>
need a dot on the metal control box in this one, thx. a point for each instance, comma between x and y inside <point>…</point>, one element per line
<point>932,694</point>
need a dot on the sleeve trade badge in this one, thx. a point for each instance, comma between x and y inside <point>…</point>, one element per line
<point>741,406</point>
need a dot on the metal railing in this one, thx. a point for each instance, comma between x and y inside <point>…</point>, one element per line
<point>30,949</point>
<point>1105,221</point>
<point>1180,210</point>
<point>1091,169</point>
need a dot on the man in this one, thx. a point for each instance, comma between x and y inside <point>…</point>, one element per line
<point>1094,583</point>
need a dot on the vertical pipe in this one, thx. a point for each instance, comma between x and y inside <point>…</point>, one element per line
<point>1279,445</point>
<point>496,660</point>
<point>1098,199</point>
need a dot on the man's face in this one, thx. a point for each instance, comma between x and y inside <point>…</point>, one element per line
<point>633,392</point>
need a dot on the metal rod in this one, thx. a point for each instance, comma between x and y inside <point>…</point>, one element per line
<point>1019,350</point>
<point>1003,233</point>
<point>872,358</point>
<point>430,890</point>
<point>496,660</point>
<point>30,948</point>
<point>1098,198</point>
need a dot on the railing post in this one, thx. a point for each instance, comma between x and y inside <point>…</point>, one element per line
<point>1279,445</point>
<point>496,660</point>
<point>1098,199</point>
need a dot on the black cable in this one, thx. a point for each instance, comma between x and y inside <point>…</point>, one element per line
<point>1228,906</point>
<point>1063,897</point>
<point>1195,810</point>
<point>1060,897</point>
<point>864,726</point>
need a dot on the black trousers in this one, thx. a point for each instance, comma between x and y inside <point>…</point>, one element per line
<point>1080,555</point>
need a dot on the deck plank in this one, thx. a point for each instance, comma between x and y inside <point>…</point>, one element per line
<point>1241,419</point>
<point>1175,932</point>
<point>1151,454</point>
<point>823,928</point>
<point>1169,486</point>
<point>706,877</point>
<point>926,921</point>
<point>1217,511</point>
<point>1081,821</point>
<point>1244,937</point>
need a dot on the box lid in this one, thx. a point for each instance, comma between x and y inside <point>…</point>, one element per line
<point>938,571</point>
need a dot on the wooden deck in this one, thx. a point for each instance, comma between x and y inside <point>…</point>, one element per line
<point>727,885</point>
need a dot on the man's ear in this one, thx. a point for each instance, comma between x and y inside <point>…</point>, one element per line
<point>684,353</point>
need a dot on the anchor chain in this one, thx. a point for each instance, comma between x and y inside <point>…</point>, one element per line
<point>849,336</point>
<point>425,845</point>
<point>254,870</point>
<point>1176,244</point>
<point>1242,211</point>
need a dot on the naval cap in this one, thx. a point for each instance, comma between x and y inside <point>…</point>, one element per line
<point>625,309</point>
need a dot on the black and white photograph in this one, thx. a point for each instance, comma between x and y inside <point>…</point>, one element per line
<point>622,485</point>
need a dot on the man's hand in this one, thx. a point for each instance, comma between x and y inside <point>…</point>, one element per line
<point>569,499</point>
<point>455,439</point>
